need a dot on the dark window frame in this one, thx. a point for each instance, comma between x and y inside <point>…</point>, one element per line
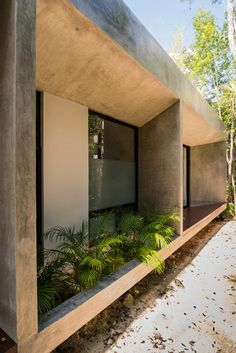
<point>39,178</point>
<point>135,128</point>
<point>187,148</point>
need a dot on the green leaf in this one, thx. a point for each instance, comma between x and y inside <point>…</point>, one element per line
<point>89,277</point>
<point>95,263</point>
<point>130,223</point>
<point>152,258</point>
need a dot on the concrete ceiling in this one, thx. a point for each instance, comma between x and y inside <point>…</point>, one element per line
<point>78,61</point>
<point>196,131</point>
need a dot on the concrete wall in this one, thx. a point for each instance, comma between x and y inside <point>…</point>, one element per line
<point>18,298</point>
<point>207,174</point>
<point>160,162</point>
<point>65,162</point>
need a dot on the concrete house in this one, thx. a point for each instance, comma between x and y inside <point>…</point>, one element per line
<point>93,64</point>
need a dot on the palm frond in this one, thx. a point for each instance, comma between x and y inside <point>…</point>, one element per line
<point>89,277</point>
<point>48,287</point>
<point>168,232</point>
<point>161,241</point>
<point>107,243</point>
<point>152,258</point>
<point>130,223</point>
<point>69,234</point>
<point>94,263</point>
<point>47,294</point>
<point>166,218</point>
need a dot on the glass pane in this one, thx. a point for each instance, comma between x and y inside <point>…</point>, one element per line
<point>111,164</point>
<point>112,183</point>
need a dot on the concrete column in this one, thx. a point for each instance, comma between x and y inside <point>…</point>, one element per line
<point>208,174</point>
<point>161,162</point>
<point>18,298</point>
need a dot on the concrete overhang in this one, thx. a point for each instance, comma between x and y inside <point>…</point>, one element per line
<point>98,53</point>
<point>199,131</point>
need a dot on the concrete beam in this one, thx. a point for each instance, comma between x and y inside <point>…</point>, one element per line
<point>99,54</point>
<point>196,131</point>
<point>18,296</point>
<point>161,162</point>
<point>78,61</point>
<point>119,23</point>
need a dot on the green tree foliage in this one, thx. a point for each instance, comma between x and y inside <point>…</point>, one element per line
<point>208,62</point>
<point>228,105</point>
<point>231,28</point>
<point>210,66</point>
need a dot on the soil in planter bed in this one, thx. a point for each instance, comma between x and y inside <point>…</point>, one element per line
<point>105,328</point>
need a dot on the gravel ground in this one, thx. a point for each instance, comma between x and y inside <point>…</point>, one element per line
<point>198,314</point>
<point>190,308</point>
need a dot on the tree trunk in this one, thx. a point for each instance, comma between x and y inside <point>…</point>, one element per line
<point>231,27</point>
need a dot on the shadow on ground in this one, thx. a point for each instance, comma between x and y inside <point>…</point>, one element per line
<point>100,333</point>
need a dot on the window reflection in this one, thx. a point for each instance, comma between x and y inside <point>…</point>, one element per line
<point>111,163</point>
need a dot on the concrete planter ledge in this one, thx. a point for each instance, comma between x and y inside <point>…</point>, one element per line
<point>86,296</point>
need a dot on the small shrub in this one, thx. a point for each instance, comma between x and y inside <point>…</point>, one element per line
<point>144,235</point>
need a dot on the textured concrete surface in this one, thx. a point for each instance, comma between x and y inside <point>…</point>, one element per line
<point>7,211</point>
<point>78,61</point>
<point>118,68</point>
<point>197,314</point>
<point>17,160</point>
<point>196,131</point>
<point>119,23</point>
<point>207,174</point>
<point>160,162</point>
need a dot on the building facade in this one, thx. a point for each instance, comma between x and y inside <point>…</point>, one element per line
<point>94,115</point>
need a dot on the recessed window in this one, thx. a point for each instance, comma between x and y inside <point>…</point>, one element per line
<point>185,176</point>
<point>112,163</point>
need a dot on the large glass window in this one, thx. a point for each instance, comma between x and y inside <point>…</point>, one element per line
<point>112,163</point>
<point>186,176</point>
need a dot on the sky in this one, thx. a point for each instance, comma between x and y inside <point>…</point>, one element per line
<point>163,17</point>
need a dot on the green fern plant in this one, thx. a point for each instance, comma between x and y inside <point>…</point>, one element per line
<point>144,235</point>
<point>83,263</point>
<point>77,264</point>
<point>49,287</point>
